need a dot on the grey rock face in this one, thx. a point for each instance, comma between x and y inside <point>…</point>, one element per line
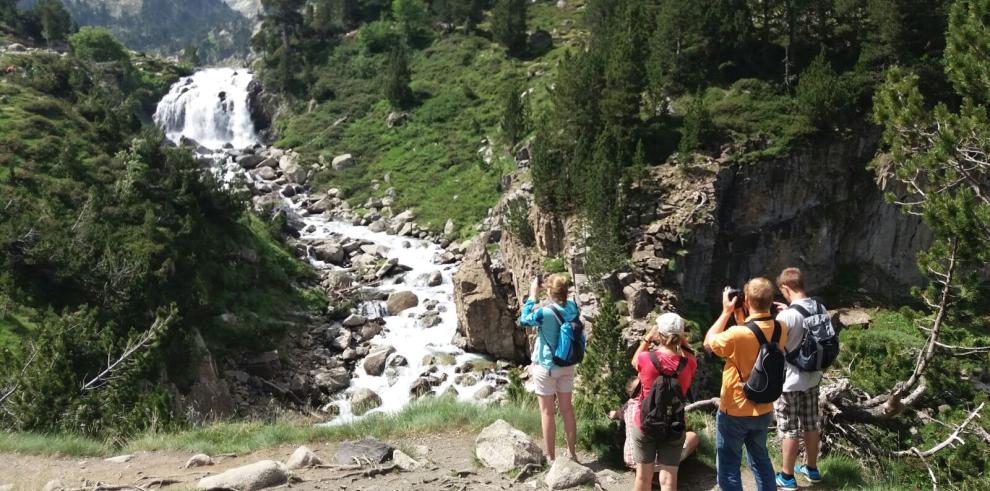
<point>483,314</point>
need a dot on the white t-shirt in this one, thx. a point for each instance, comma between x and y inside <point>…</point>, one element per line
<point>794,379</point>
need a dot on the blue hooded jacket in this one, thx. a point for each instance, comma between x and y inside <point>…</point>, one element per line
<point>547,328</point>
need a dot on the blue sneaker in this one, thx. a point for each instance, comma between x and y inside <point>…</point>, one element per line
<point>812,474</point>
<point>785,483</point>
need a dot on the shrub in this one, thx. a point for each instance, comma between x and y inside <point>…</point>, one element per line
<point>555,265</point>
<point>698,130</point>
<point>606,367</point>
<point>516,221</point>
<point>379,36</point>
<point>97,44</point>
<point>820,93</point>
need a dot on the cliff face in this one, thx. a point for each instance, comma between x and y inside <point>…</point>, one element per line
<point>696,227</point>
<point>818,210</point>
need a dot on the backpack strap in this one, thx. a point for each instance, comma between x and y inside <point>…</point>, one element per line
<point>801,310</point>
<point>775,338</point>
<point>759,332</point>
<point>556,313</point>
<point>680,366</point>
<point>655,361</point>
<point>560,323</point>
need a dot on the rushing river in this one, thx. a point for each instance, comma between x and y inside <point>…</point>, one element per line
<point>211,108</point>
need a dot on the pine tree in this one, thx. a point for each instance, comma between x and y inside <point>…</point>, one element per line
<point>509,25</point>
<point>8,12</point>
<point>819,93</point>
<point>397,79</point>
<point>412,17</point>
<point>56,23</point>
<point>605,370</point>
<point>698,129</point>
<point>513,115</point>
<point>463,12</point>
<point>967,48</point>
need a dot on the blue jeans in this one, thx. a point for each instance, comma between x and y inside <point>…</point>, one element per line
<point>732,432</point>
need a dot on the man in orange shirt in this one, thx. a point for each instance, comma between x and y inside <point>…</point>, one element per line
<point>741,421</point>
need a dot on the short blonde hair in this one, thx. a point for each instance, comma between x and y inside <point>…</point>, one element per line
<point>558,286</point>
<point>759,293</point>
<point>791,278</point>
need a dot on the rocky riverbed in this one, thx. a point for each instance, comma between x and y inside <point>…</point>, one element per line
<point>390,337</point>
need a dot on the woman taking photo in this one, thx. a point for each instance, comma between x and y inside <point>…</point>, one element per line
<point>553,384</point>
<point>672,348</point>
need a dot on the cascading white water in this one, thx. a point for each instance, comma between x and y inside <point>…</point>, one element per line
<point>210,107</point>
<point>194,109</point>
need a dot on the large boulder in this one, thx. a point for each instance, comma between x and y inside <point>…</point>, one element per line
<point>250,161</point>
<point>260,475</point>
<point>294,172</point>
<point>342,161</point>
<point>399,301</point>
<point>303,458</point>
<point>364,400</point>
<point>364,451</point>
<point>484,318</point>
<point>503,448</point>
<point>640,301</point>
<point>333,380</point>
<point>210,395</point>
<point>336,280</point>
<point>329,253</point>
<point>566,474</point>
<point>374,364</point>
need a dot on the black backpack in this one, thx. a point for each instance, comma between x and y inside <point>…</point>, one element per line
<point>819,345</point>
<point>766,380</point>
<point>662,412</point>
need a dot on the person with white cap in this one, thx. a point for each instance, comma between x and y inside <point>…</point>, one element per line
<point>674,360</point>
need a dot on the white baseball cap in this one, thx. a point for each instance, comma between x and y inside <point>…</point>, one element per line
<point>670,324</point>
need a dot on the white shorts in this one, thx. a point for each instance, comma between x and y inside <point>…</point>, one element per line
<point>550,382</point>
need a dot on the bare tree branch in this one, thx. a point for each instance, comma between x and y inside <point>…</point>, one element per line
<point>948,442</point>
<point>894,403</point>
<point>106,375</point>
<point>17,385</point>
<point>704,404</point>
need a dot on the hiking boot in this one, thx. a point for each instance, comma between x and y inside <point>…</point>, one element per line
<point>812,474</point>
<point>785,483</point>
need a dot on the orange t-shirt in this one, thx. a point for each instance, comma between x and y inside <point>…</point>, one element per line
<point>739,347</point>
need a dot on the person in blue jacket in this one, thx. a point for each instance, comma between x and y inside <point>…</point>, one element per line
<point>553,384</point>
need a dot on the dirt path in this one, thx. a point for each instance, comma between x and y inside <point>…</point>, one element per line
<point>451,465</point>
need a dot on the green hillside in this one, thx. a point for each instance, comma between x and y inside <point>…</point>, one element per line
<point>103,229</point>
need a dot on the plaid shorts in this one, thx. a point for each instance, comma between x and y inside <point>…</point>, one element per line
<point>798,412</point>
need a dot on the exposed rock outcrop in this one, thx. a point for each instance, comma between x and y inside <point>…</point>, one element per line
<point>484,318</point>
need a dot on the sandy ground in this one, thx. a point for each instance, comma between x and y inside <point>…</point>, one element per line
<point>451,465</point>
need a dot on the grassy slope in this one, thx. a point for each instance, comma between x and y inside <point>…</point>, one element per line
<point>433,159</point>
<point>39,122</point>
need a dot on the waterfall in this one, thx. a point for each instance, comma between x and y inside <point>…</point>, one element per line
<point>210,107</point>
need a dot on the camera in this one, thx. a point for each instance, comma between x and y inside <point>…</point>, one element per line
<point>737,293</point>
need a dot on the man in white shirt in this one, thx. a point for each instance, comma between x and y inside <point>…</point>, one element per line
<point>797,412</point>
